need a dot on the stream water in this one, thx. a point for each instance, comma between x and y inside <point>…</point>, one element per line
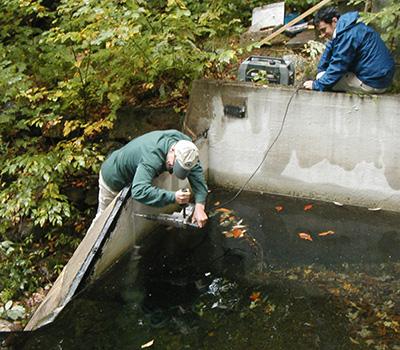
<point>247,281</point>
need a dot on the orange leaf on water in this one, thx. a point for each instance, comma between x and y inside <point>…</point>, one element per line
<point>255,296</point>
<point>237,232</point>
<point>305,236</point>
<point>223,210</point>
<point>279,208</point>
<point>308,207</point>
<point>326,233</point>
<point>228,234</point>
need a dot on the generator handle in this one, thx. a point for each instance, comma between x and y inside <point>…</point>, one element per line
<point>265,58</point>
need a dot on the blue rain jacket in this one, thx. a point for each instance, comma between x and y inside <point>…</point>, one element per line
<point>355,48</point>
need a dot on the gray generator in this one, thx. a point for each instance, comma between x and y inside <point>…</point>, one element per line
<point>274,70</point>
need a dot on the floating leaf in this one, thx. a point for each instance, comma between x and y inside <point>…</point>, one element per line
<point>270,308</point>
<point>222,218</point>
<point>326,233</point>
<point>237,232</point>
<point>239,226</point>
<point>225,223</point>
<point>279,208</point>
<point>305,236</point>
<point>352,315</point>
<point>223,210</point>
<point>308,207</point>
<point>228,234</point>
<point>364,332</point>
<point>255,296</point>
<point>253,305</point>
<point>147,345</point>
<point>353,340</point>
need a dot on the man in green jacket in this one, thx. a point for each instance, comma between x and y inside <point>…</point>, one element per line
<point>144,158</point>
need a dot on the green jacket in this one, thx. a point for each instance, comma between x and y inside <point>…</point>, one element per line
<point>141,160</point>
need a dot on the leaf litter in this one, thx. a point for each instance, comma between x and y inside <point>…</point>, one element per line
<point>308,207</point>
<point>367,295</point>
<point>326,233</point>
<point>305,236</point>
<point>255,296</point>
<point>148,344</point>
<point>234,227</point>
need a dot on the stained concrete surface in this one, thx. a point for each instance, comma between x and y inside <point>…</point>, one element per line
<point>333,146</point>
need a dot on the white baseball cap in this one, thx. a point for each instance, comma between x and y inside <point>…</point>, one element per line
<point>186,157</point>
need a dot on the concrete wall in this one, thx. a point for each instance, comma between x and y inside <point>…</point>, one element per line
<point>333,147</point>
<point>129,229</point>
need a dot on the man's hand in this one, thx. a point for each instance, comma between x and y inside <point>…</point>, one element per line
<point>199,215</point>
<point>308,84</point>
<point>182,197</point>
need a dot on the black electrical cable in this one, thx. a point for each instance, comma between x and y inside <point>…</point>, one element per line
<point>267,151</point>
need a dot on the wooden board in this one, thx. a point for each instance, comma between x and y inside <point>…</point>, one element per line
<point>293,22</point>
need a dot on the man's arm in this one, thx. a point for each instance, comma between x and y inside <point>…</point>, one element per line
<point>343,56</point>
<point>200,215</point>
<point>198,184</point>
<point>322,65</point>
<point>145,192</point>
<point>200,190</point>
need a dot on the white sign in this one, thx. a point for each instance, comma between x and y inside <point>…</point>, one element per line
<point>268,16</point>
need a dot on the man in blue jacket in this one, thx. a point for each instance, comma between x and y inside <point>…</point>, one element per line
<point>355,59</point>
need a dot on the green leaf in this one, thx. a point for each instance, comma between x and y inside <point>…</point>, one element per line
<point>8,305</point>
<point>17,312</point>
<point>226,56</point>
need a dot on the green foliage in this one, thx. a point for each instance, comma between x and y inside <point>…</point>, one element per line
<point>260,77</point>
<point>66,68</point>
<point>311,52</point>
<point>90,59</point>
<point>386,21</point>
<point>12,311</point>
<point>301,4</point>
<point>33,261</point>
<point>16,271</point>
